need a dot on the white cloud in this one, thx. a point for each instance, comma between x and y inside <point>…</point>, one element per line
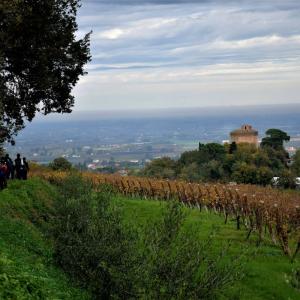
<point>191,50</point>
<point>262,71</point>
<point>273,40</point>
<point>145,28</point>
<point>111,34</point>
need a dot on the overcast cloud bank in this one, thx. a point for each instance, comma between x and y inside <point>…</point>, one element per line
<point>152,54</point>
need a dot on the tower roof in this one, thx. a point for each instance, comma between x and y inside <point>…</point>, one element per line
<point>245,130</point>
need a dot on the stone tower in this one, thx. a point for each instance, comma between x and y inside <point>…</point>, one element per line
<point>246,134</point>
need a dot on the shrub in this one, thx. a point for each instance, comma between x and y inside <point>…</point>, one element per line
<point>294,278</point>
<point>163,261</point>
<point>91,244</point>
<point>60,164</point>
<point>16,286</point>
<point>287,180</point>
<point>178,264</point>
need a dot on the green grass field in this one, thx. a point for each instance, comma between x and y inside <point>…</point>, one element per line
<point>266,269</point>
<point>27,269</point>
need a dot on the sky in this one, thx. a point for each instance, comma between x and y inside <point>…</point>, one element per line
<point>149,54</point>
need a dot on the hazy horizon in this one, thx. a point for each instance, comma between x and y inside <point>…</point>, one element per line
<point>175,112</point>
<point>129,135</point>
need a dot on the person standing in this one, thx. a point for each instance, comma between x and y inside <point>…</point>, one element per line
<point>18,162</point>
<point>10,167</point>
<point>24,168</point>
<point>3,172</point>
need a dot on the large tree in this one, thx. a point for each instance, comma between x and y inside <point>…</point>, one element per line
<point>296,164</point>
<point>40,59</point>
<point>275,139</point>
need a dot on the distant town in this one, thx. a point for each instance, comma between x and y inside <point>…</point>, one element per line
<point>129,144</point>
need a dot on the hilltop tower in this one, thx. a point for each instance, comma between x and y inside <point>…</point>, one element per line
<point>246,134</point>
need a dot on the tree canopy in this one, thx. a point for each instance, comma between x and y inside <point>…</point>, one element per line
<point>296,164</point>
<point>60,164</point>
<point>161,168</point>
<point>212,162</point>
<point>275,138</point>
<point>40,59</point>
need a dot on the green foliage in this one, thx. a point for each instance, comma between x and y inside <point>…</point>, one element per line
<point>215,151</point>
<point>91,243</point>
<point>178,265</point>
<point>244,173</point>
<point>161,168</point>
<point>265,267</point>
<point>194,156</point>
<point>190,172</point>
<point>232,148</point>
<point>60,164</point>
<point>286,180</point>
<point>243,163</point>
<point>212,170</point>
<point>276,158</point>
<point>295,280</point>
<point>162,261</point>
<point>27,270</point>
<point>296,164</point>
<point>251,174</point>
<point>19,286</point>
<point>275,139</point>
<point>26,252</point>
<point>264,175</point>
<point>205,153</point>
<point>40,60</point>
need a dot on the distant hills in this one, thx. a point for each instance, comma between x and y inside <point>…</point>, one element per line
<point>213,111</point>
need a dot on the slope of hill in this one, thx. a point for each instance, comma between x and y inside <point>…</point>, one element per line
<point>267,272</point>
<point>27,270</point>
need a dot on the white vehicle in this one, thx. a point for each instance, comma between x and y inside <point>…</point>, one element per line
<point>297,181</point>
<point>275,181</point>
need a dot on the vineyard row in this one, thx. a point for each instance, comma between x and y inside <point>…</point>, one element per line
<point>263,210</point>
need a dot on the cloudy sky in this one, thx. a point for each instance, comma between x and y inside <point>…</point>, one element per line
<point>190,53</point>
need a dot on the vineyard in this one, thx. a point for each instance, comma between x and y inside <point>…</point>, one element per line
<point>261,210</point>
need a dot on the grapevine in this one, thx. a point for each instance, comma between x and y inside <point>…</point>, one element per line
<point>263,210</point>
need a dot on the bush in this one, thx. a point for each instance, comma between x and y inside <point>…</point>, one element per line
<point>60,164</point>
<point>15,286</point>
<point>178,264</point>
<point>91,244</point>
<point>287,180</point>
<point>165,261</point>
<point>295,280</point>
<point>160,168</point>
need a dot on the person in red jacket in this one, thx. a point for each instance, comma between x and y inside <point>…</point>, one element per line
<point>3,174</point>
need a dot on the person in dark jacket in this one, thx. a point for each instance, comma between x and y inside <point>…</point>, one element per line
<point>24,168</point>
<point>18,162</point>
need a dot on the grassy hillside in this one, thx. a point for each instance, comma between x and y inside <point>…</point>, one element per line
<point>27,270</point>
<point>267,270</point>
<point>26,267</point>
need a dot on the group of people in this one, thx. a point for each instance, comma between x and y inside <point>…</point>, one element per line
<point>10,169</point>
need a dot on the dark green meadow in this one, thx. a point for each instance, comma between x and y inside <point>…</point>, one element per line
<point>267,271</point>
<point>28,269</point>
